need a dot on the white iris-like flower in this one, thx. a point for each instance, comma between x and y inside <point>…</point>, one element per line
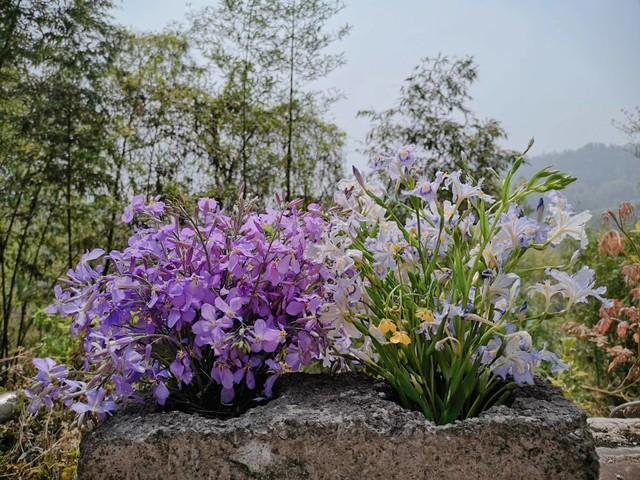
<point>548,290</point>
<point>465,191</point>
<point>564,224</point>
<point>578,288</point>
<point>559,203</point>
<point>504,289</point>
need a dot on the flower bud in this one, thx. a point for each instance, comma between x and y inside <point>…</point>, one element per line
<point>625,210</point>
<point>631,274</point>
<point>611,244</point>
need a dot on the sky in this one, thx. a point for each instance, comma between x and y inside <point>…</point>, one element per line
<point>556,70</point>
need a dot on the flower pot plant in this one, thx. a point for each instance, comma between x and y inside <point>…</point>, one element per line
<point>203,309</point>
<point>436,305</point>
<point>408,279</point>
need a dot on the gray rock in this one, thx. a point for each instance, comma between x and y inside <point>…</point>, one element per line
<point>618,446</point>
<point>341,427</point>
<point>8,402</point>
<point>627,410</point>
<point>621,463</point>
<point>615,432</point>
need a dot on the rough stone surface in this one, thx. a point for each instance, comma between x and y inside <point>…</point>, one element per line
<point>8,402</point>
<point>346,427</point>
<point>627,410</point>
<point>618,446</point>
<point>615,432</point>
<point>622,463</point>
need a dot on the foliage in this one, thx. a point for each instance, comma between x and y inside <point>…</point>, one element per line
<point>614,339</point>
<point>54,56</point>
<point>55,340</point>
<point>39,447</point>
<point>435,306</point>
<point>267,52</point>
<point>92,114</point>
<point>207,309</point>
<point>432,113</point>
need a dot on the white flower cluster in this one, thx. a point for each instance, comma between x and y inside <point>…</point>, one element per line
<point>448,235</point>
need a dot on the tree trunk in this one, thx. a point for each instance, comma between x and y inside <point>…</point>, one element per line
<point>115,194</point>
<point>23,328</point>
<point>289,158</point>
<point>68,192</point>
<point>4,350</point>
<point>245,79</point>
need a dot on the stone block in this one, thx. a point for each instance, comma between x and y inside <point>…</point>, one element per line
<point>346,427</point>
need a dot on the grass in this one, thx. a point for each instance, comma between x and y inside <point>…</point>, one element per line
<point>38,447</point>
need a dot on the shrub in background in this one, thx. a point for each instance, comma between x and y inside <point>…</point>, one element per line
<point>612,340</point>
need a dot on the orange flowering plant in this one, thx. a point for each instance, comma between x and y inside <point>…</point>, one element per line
<point>617,331</point>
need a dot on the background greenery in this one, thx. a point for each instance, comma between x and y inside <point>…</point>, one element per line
<point>225,106</point>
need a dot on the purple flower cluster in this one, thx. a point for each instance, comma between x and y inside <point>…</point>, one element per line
<point>202,307</point>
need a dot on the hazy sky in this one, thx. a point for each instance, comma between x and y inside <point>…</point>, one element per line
<point>556,70</point>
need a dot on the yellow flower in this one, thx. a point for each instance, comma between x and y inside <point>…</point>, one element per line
<point>425,315</point>
<point>386,326</point>
<point>400,337</point>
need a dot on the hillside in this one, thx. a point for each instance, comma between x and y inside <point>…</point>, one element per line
<point>607,175</point>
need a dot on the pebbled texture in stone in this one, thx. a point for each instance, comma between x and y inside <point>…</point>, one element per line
<point>344,427</point>
<point>615,432</point>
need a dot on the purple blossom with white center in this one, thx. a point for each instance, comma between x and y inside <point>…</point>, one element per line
<point>406,156</point>
<point>427,190</point>
<point>138,207</point>
<point>49,371</point>
<point>181,368</point>
<point>161,393</point>
<point>264,338</point>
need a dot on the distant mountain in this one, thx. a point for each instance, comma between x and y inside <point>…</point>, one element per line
<point>607,175</point>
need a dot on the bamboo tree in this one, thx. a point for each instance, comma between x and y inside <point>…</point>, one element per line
<point>433,114</point>
<point>299,42</point>
<point>267,52</point>
<point>52,53</point>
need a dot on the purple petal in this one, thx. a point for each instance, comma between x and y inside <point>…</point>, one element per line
<point>208,312</point>
<point>295,308</point>
<point>161,393</point>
